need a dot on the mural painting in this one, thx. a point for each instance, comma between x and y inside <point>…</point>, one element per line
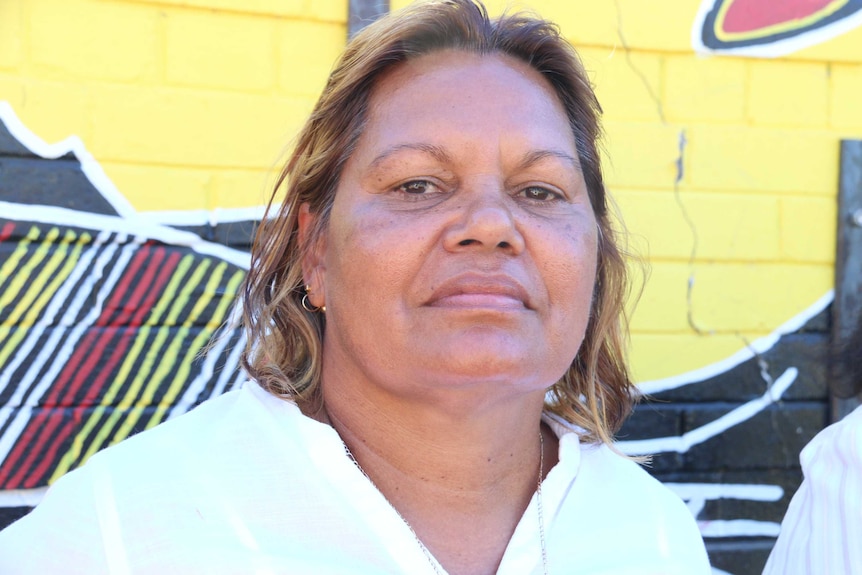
<point>770,29</point>
<point>110,289</point>
<point>104,315</point>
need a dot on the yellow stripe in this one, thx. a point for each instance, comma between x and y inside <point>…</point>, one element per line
<point>19,276</point>
<point>172,352</point>
<point>824,12</point>
<point>185,365</point>
<point>154,357</point>
<point>40,294</point>
<point>77,445</point>
<point>8,269</point>
<point>132,406</point>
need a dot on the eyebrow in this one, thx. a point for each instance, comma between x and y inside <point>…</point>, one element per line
<point>536,156</point>
<point>436,152</point>
<point>439,154</point>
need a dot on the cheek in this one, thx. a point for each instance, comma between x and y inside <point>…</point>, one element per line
<point>372,254</point>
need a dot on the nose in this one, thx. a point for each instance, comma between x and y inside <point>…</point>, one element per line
<point>485,222</point>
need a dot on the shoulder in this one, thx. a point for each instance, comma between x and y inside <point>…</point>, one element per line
<point>232,422</point>
<point>629,514</point>
<point>144,483</point>
<point>818,535</point>
<point>634,489</point>
<point>840,444</point>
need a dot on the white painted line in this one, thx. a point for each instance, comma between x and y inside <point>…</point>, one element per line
<point>21,410</point>
<point>132,225</point>
<point>73,144</point>
<point>22,497</point>
<point>202,217</point>
<point>684,442</point>
<point>760,345</point>
<point>710,491</point>
<point>738,528</point>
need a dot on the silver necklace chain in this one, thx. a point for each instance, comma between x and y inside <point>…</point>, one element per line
<point>431,560</point>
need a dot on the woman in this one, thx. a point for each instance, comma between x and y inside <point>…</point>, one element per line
<point>437,349</point>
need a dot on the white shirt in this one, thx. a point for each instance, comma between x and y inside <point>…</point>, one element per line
<point>822,530</point>
<point>246,484</point>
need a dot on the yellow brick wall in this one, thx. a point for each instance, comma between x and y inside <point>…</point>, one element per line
<point>188,104</point>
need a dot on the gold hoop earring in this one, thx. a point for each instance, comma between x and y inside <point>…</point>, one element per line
<point>306,305</point>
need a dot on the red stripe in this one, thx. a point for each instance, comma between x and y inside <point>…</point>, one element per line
<point>23,479</point>
<point>119,352</point>
<point>40,433</point>
<point>144,289</point>
<point>6,231</point>
<point>152,291</point>
<point>84,351</point>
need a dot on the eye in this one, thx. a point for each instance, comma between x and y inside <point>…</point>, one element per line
<point>539,194</point>
<point>416,187</point>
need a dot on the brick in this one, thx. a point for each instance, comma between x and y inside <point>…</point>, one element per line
<point>846,47</point>
<point>49,182</point>
<point>331,10</point>
<point>628,87</point>
<point>771,439</point>
<point>640,155</point>
<point>747,557</point>
<point>11,54</point>
<point>655,355</point>
<point>150,187</point>
<point>87,39</point>
<point>662,304</point>
<point>748,298</point>
<point>808,229</point>
<point>179,127</point>
<point>788,479</point>
<point>593,24</point>
<point>728,226</point>
<point>651,419</point>
<point>663,25</point>
<point>241,188</point>
<point>9,145</point>
<point>56,110</point>
<point>307,52</point>
<point>326,10</point>
<point>708,89</point>
<point>644,25</point>
<point>807,352</point>
<point>760,159</point>
<point>583,24</point>
<point>219,50</point>
<point>788,93</point>
<point>12,91</point>
<point>9,515</point>
<point>755,298</point>
<point>845,88</point>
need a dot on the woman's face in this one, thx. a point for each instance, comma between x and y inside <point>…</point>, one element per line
<point>461,249</point>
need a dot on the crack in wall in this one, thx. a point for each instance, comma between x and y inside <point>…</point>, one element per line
<point>680,173</point>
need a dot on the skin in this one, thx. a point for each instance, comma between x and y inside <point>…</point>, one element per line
<point>457,272</point>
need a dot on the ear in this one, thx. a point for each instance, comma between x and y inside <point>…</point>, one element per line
<point>313,260</point>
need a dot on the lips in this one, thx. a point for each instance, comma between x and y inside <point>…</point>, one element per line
<point>472,291</point>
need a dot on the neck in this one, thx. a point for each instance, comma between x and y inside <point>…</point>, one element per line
<point>460,478</point>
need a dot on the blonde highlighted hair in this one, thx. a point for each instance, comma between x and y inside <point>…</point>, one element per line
<point>285,341</point>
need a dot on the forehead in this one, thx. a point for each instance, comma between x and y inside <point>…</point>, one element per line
<point>462,93</point>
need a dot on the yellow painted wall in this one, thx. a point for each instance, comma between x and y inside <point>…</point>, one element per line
<point>188,104</point>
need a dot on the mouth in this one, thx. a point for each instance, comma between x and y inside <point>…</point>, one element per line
<point>473,291</point>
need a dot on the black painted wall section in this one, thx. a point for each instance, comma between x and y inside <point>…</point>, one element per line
<point>763,450</point>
